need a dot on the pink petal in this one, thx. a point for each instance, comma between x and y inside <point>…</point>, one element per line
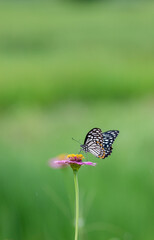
<point>89,163</point>
<point>82,163</point>
<point>63,163</point>
<point>75,162</point>
<point>54,163</point>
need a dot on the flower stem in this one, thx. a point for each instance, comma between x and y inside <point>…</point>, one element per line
<point>76,204</point>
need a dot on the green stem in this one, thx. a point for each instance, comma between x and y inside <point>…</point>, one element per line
<point>76,204</point>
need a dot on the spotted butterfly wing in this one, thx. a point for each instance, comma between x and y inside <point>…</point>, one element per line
<point>91,142</point>
<point>108,139</point>
<point>98,143</point>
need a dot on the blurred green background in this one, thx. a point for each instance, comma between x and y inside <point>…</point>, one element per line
<point>66,67</point>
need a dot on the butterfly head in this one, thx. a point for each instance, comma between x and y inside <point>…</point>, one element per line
<point>84,147</point>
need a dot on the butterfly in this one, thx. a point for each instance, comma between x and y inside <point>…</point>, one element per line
<point>99,143</point>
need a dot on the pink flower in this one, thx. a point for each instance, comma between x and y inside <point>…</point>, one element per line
<point>75,161</point>
<point>53,162</point>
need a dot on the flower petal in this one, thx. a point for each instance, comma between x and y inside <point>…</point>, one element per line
<point>89,163</point>
<point>81,163</point>
<point>75,162</point>
<point>54,163</point>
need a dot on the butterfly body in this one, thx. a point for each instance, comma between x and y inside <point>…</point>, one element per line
<point>99,143</point>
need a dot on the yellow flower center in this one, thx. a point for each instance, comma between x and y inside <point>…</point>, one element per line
<point>75,157</point>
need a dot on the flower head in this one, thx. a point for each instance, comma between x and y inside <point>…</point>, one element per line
<point>74,160</point>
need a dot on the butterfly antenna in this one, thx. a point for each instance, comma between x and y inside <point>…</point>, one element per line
<point>76,141</point>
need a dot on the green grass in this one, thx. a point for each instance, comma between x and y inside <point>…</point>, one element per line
<point>66,68</point>
<point>116,196</point>
<point>99,50</point>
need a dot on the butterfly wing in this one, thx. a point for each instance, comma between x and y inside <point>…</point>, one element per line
<point>95,150</point>
<point>94,142</point>
<point>93,135</point>
<point>108,139</point>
